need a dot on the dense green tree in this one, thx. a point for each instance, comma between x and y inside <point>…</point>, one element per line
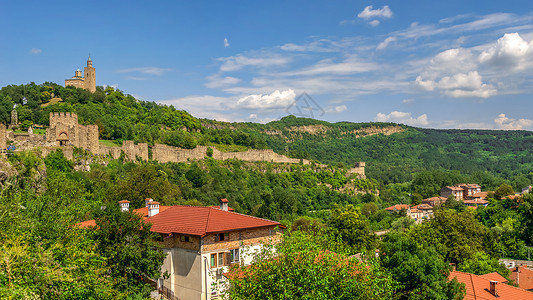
<point>481,264</point>
<point>129,249</point>
<point>457,236</point>
<point>352,227</point>
<point>146,181</point>
<point>503,190</point>
<point>402,224</point>
<point>303,267</point>
<point>421,271</point>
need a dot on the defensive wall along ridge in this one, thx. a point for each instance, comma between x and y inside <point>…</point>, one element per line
<point>65,133</point>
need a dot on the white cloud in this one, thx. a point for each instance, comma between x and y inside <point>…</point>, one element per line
<point>403,117</point>
<point>136,78</point>
<point>114,86</point>
<point>217,81</point>
<point>277,99</point>
<point>503,122</point>
<point>350,65</point>
<point>320,45</point>
<point>511,51</point>
<point>252,116</point>
<point>226,43</point>
<point>145,70</point>
<point>386,42</point>
<point>374,23</point>
<point>410,100</point>
<point>336,109</point>
<point>459,85</point>
<point>234,63</point>
<point>453,61</point>
<point>368,12</point>
<point>35,51</point>
<point>205,106</point>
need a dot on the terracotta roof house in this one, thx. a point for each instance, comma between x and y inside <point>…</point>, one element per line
<point>523,277</point>
<point>480,287</point>
<point>421,212</point>
<point>476,202</point>
<point>398,207</point>
<point>526,190</point>
<point>434,201</point>
<point>201,243</point>
<point>469,189</point>
<point>456,191</point>
<point>480,195</point>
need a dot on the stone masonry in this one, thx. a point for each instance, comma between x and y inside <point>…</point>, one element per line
<point>3,142</point>
<point>64,130</point>
<point>87,80</point>
<point>164,153</point>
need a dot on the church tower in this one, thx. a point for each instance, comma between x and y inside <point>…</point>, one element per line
<point>90,76</point>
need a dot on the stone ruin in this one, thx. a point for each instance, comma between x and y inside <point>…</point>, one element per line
<point>65,133</point>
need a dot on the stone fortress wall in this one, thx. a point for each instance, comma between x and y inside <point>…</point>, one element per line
<point>65,130</point>
<point>66,133</point>
<point>164,153</point>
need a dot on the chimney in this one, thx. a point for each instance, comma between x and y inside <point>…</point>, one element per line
<point>124,205</point>
<point>494,288</point>
<point>147,200</point>
<point>224,204</point>
<point>453,265</point>
<point>153,208</point>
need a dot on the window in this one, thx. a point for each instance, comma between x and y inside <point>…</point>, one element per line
<point>185,238</point>
<point>222,237</point>
<point>234,255</point>
<point>213,260</point>
<point>221,259</point>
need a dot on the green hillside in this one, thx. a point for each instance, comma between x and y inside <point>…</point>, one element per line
<point>393,153</point>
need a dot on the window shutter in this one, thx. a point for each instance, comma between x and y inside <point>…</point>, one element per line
<point>228,258</point>
<point>217,237</point>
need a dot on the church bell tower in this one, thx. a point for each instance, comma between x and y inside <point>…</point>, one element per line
<point>90,76</point>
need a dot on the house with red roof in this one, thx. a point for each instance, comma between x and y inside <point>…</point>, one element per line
<point>523,277</point>
<point>201,243</point>
<point>456,191</point>
<point>434,201</point>
<point>398,207</point>
<point>489,286</point>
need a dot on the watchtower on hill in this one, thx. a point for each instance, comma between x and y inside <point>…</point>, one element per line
<point>87,80</point>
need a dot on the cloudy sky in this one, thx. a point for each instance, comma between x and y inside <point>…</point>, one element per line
<point>438,64</point>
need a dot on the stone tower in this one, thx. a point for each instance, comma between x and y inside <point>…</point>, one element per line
<point>90,76</point>
<point>88,82</point>
<point>14,118</point>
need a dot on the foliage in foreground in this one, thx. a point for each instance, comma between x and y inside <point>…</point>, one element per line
<point>307,266</point>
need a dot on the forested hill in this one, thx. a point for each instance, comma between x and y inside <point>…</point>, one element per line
<point>393,152</point>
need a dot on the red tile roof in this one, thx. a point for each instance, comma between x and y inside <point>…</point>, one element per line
<point>495,276</point>
<point>478,287</point>
<point>199,221</point>
<point>398,207</point>
<point>476,201</point>
<point>143,211</point>
<point>525,277</point>
<point>218,206</point>
<point>453,188</point>
<point>87,224</point>
<point>482,195</point>
<point>423,206</point>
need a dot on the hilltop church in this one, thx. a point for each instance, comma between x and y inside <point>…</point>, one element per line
<point>88,81</point>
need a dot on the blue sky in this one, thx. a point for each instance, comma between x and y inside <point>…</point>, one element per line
<point>438,64</point>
